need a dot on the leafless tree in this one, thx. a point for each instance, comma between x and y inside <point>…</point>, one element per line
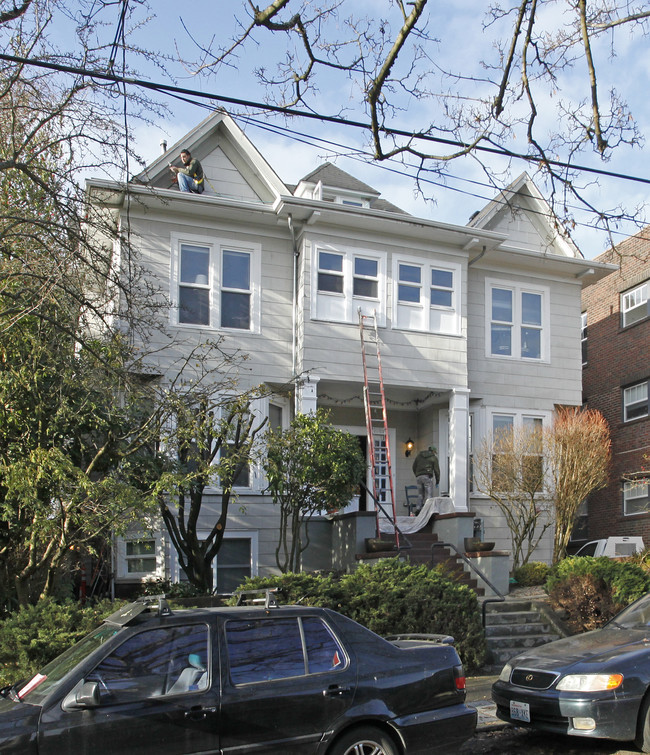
<point>577,453</point>
<point>521,97</point>
<point>509,469</point>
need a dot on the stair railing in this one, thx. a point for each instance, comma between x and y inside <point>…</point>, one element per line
<point>500,599</point>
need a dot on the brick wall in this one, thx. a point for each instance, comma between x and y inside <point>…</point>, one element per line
<point>616,357</point>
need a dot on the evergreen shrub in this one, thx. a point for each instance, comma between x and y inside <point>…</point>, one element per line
<point>591,591</point>
<point>393,597</point>
<point>531,573</point>
<point>34,635</point>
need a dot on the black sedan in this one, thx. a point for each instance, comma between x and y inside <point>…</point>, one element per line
<point>253,679</point>
<point>595,684</point>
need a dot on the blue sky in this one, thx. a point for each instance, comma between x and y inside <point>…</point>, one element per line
<point>462,44</point>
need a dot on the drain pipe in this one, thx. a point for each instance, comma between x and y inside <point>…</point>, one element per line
<point>294,302</point>
<point>478,257</point>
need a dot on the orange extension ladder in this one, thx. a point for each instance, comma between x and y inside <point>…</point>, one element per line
<point>374,400</point>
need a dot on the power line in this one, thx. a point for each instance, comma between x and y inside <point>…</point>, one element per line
<point>500,151</point>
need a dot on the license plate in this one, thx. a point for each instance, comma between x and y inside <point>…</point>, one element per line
<point>520,711</point>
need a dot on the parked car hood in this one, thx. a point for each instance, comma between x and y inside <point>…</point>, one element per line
<point>598,647</point>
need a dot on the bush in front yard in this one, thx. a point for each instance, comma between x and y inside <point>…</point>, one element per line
<point>33,636</point>
<point>392,597</point>
<point>591,591</point>
<point>532,573</point>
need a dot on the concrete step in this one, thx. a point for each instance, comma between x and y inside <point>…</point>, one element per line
<point>519,630</point>
<point>510,617</point>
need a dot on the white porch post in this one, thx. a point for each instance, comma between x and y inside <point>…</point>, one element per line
<point>458,448</point>
<point>306,395</point>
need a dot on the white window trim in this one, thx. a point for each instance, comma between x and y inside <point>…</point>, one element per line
<point>121,560</point>
<point>216,246</point>
<point>626,404</point>
<point>643,290</point>
<point>518,289</point>
<point>232,534</point>
<point>484,424</point>
<point>633,484</point>
<point>350,303</point>
<point>424,305</point>
<point>583,337</point>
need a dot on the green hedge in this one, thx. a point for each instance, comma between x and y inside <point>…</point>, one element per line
<point>591,591</point>
<point>531,573</point>
<point>33,636</point>
<point>393,597</point>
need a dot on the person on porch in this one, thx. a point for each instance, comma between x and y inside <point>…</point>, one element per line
<point>425,469</point>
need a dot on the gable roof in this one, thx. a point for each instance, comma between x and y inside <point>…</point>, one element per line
<point>224,151</point>
<point>522,203</point>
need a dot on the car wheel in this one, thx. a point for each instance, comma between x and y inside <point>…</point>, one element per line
<point>642,739</point>
<point>365,740</point>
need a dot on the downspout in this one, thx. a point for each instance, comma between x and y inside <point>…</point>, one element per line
<point>294,315</point>
<point>478,257</point>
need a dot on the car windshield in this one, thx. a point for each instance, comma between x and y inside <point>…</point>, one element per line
<point>636,615</point>
<point>37,689</point>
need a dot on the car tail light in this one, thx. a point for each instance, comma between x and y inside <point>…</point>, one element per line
<point>459,677</point>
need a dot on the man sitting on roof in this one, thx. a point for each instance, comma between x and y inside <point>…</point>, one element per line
<point>190,178</point>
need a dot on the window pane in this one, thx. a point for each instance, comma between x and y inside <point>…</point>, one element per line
<point>363,266</point>
<point>194,305</point>
<point>149,663</point>
<point>636,496</point>
<point>236,270</point>
<point>531,309</point>
<point>531,343</point>
<point>234,551</point>
<point>364,287</point>
<point>323,651</point>
<point>502,305</point>
<point>501,340</point>
<point>331,283</point>
<point>635,401</point>
<point>440,298</point>
<point>232,577</point>
<point>264,650</point>
<point>442,278</point>
<point>140,565</point>
<point>501,422</point>
<point>235,310</point>
<point>195,264</point>
<point>140,547</point>
<point>410,274</point>
<point>408,293</point>
<point>329,261</point>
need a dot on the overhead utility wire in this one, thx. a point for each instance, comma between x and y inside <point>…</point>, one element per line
<point>501,151</point>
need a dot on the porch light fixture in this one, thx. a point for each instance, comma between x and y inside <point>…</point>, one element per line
<point>408,447</point>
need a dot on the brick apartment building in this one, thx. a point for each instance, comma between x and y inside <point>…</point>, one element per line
<point>616,374</point>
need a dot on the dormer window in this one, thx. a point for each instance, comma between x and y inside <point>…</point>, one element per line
<point>350,199</point>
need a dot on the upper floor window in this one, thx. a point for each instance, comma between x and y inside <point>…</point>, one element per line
<point>346,280</point>
<point>583,336</point>
<point>634,305</point>
<point>518,321</point>
<point>635,401</point>
<point>215,284</point>
<point>427,296</point>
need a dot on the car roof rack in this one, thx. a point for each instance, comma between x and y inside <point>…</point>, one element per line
<point>149,603</point>
<point>265,596</point>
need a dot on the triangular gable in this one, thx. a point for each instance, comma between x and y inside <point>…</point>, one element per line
<point>521,212</point>
<point>233,167</point>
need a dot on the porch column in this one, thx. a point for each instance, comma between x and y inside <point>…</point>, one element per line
<point>458,447</point>
<point>306,395</point>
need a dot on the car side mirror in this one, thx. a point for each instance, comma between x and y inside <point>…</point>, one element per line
<point>87,696</point>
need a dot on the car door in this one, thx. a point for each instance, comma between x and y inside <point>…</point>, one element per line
<point>154,692</point>
<point>285,681</point>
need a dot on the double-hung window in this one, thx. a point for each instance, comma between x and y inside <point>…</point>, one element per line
<point>635,305</point>
<point>636,496</point>
<point>215,284</point>
<point>346,280</point>
<point>427,296</point>
<point>583,337</point>
<point>518,459</point>
<point>635,401</point>
<point>518,321</point>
